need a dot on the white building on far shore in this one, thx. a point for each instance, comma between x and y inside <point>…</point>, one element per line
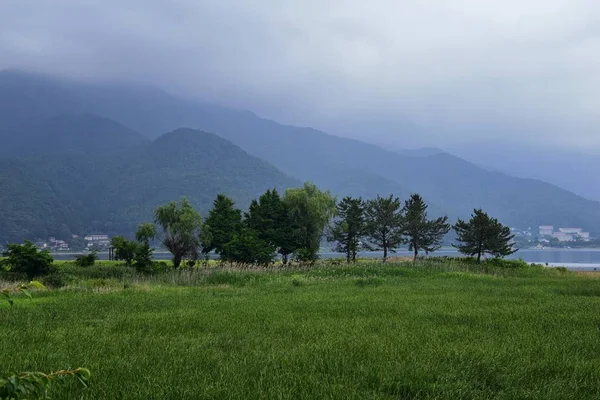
<point>97,240</point>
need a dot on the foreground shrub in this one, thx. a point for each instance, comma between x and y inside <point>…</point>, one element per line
<point>502,263</point>
<point>7,294</point>
<point>86,260</point>
<point>247,248</point>
<point>153,268</point>
<point>97,271</point>
<point>55,280</point>
<point>28,260</point>
<point>37,385</point>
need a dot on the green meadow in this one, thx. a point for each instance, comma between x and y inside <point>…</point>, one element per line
<point>429,330</point>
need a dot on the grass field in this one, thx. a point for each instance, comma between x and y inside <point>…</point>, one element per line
<point>364,332</point>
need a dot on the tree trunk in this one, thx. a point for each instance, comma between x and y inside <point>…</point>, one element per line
<point>385,253</point>
<point>285,258</point>
<point>478,256</point>
<point>348,257</point>
<point>416,253</point>
<point>176,261</point>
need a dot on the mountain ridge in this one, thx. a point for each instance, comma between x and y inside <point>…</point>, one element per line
<point>348,166</point>
<point>77,193</point>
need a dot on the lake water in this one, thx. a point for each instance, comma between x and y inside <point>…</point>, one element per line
<point>575,259</point>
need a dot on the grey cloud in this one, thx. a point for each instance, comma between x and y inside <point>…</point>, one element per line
<point>421,72</point>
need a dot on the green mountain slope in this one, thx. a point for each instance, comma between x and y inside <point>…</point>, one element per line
<point>60,194</point>
<point>346,166</point>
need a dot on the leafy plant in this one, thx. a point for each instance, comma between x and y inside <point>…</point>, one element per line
<point>247,248</point>
<point>24,289</point>
<point>37,385</point>
<point>124,249</point>
<point>87,260</point>
<point>27,259</point>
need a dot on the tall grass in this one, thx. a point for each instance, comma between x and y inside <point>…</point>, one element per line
<point>429,330</point>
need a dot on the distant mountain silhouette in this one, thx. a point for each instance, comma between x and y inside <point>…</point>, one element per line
<point>65,134</point>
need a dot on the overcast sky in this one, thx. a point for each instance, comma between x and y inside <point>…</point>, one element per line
<point>415,72</point>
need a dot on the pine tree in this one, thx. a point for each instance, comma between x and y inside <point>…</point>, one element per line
<point>350,227</point>
<point>223,223</point>
<point>269,218</point>
<point>419,232</point>
<point>384,224</point>
<point>483,234</point>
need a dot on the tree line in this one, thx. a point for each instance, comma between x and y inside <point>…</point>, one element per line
<point>294,224</point>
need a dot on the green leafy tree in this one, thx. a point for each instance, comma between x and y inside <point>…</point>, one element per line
<point>142,260</point>
<point>421,233</point>
<point>310,211</point>
<point>223,223</point>
<point>181,225</point>
<point>124,249</point>
<point>247,248</point>
<point>384,224</point>
<point>483,234</point>
<point>205,239</point>
<point>145,232</point>
<point>27,259</point>
<point>269,218</point>
<point>350,227</point>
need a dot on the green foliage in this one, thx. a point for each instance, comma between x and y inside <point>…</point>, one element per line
<point>420,232</point>
<point>269,217</point>
<point>124,249</point>
<point>223,223</point>
<point>37,385</point>
<point>350,227</point>
<point>201,165</point>
<point>483,235</point>
<point>181,225</point>
<point>247,248</point>
<point>102,270</point>
<point>444,330</point>
<point>384,224</point>
<point>310,211</point>
<point>41,196</point>
<point>87,260</point>
<point>145,232</point>
<point>142,260</point>
<point>27,259</point>
<point>305,255</point>
<point>7,294</point>
<point>55,280</point>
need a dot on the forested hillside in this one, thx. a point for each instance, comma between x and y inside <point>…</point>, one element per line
<point>347,167</point>
<point>77,193</point>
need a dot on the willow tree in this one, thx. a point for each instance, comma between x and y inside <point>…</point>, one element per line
<point>181,225</point>
<point>310,211</point>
